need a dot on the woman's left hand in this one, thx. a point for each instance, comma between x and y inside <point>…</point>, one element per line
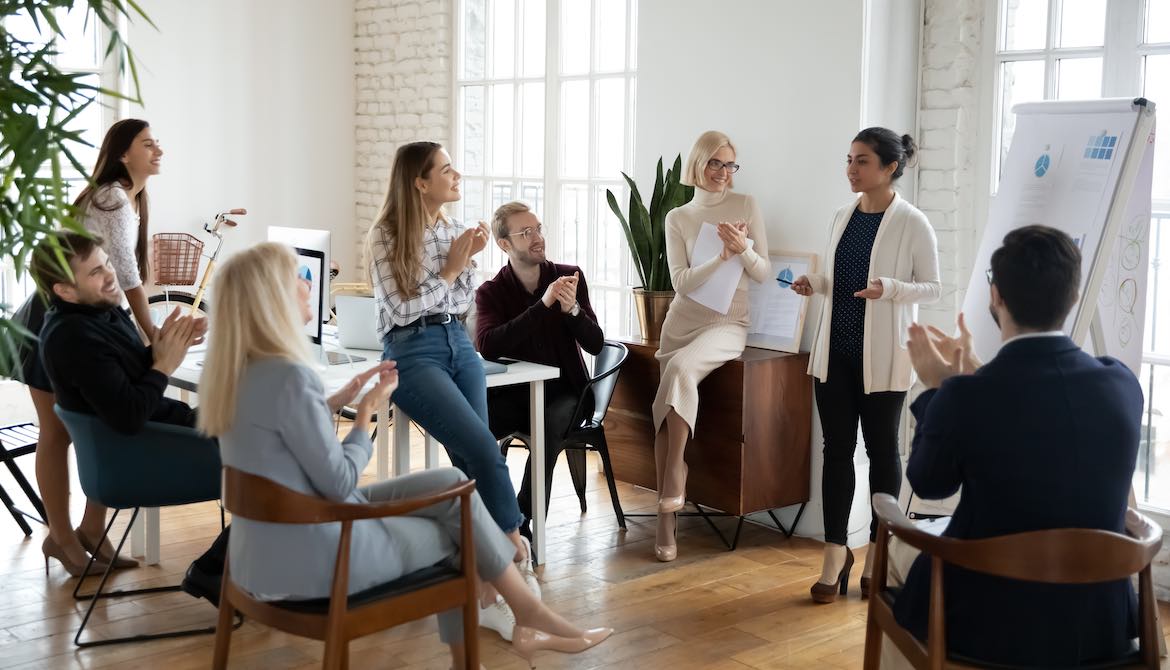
<point>733,236</point>
<point>871,292</point>
<point>348,393</point>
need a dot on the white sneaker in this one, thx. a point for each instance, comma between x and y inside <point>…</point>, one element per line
<point>526,566</point>
<point>498,617</point>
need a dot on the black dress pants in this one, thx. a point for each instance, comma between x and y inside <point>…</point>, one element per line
<point>841,403</point>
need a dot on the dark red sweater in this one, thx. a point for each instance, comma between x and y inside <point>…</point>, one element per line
<point>513,323</point>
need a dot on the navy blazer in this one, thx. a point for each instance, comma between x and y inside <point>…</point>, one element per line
<point>1043,436</point>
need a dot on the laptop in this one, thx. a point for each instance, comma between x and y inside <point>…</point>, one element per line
<point>357,322</point>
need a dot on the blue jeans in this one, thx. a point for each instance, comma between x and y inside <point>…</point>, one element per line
<point>442,387</point>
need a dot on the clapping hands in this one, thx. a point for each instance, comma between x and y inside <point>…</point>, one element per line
<point>562,290</point>
<point>734,238</point>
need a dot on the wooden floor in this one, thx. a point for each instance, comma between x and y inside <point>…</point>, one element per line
<point>710,609</point>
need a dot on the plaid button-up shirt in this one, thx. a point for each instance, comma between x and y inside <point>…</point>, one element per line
<point>435,295</point>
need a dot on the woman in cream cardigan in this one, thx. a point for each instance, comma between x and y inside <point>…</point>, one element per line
<point>882,261</point>
<point>695,339</point>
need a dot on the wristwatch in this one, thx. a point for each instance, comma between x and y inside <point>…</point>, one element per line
<point>576,310</point>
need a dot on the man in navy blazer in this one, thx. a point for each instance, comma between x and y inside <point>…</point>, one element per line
<point>1043,436</point>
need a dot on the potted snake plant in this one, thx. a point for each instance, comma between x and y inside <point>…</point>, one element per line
<point>645,230</point>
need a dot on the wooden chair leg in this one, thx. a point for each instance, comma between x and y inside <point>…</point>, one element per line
<point>873,638</point>
<point>335,652</point>
<point>223,634</point>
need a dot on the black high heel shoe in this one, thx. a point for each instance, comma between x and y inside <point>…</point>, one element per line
<point>827,593</point>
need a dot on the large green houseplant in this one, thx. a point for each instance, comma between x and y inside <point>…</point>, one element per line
<point>645,229</point>
<point>39,107</point>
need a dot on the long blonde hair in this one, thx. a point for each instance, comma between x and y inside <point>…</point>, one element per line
<point>404,216</point>
<point>255,316</point>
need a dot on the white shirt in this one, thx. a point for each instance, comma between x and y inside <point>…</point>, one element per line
<point>1024,336</point>
<point>111,216</point>
<point>434,295</point>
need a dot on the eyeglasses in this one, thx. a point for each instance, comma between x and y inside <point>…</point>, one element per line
<point>716,165</point>
<point>527,232</point>
<point>989,279</point>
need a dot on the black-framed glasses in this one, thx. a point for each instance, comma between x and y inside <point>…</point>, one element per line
<point>527,232</point>
<point>716,165</point>
<point>990,280</point>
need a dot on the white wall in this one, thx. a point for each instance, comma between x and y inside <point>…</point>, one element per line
<point>785,81</point>
<point>253,103</point>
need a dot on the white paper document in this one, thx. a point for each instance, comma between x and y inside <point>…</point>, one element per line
<point>717,292</point>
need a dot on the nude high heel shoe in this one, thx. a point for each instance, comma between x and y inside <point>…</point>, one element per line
<point>120,562</point>
<point>668,552</point>
<point>53,550</point>
<point>671,504</point>
<point>527,641</point>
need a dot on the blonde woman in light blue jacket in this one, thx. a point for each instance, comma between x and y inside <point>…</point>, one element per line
<point>265,402</point>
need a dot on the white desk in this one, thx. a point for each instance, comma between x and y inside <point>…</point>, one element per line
<point>186,378</point>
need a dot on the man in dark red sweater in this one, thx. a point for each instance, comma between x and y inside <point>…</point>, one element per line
<point>538,311</point>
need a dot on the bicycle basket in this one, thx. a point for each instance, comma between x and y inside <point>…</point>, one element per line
<point>176,258</point>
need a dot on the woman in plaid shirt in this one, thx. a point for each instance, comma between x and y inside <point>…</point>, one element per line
<point>424,282</point>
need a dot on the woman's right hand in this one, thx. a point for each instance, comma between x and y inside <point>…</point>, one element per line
<point>802,285</point>
<point>376,399</point>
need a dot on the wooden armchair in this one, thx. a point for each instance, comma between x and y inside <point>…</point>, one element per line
<point>1062,556</point>
<point>339,619</point>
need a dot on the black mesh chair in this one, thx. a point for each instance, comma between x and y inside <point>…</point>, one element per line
<point>587,433</point>
<point>15,441</point>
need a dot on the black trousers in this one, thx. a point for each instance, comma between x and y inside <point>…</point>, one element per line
<point>841,403</point>
<point>508,413</point>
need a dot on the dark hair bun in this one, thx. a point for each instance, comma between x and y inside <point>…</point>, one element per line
<point>909,145</point>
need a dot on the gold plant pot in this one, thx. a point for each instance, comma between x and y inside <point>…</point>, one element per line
<point>652,306</point>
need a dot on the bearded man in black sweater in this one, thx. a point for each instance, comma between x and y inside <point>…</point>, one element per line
<point>98,364</point>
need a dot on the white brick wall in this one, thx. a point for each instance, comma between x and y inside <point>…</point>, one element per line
<point>947,183</point>
<point>403,51</point>
<point>951,52</point>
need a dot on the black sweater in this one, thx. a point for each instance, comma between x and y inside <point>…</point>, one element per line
<point>98,365</point>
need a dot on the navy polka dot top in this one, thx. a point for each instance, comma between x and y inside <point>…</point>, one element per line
<point>851,274</point>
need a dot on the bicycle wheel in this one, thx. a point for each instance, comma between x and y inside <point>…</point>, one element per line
<point>163,304</point>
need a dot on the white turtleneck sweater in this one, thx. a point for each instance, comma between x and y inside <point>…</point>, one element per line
<point>682,229</point>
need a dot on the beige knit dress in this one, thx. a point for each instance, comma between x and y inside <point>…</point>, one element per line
<point>695,339</point>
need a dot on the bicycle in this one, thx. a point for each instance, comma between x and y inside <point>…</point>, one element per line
<point>176,263</point>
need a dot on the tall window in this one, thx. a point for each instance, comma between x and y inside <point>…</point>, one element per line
<point>80,51</point>
<point>545,115</point>
<point>1078,49</point>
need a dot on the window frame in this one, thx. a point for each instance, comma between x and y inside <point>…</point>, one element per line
<point>552,179</point>
<point>1123,55</point>
<point>14,291</point>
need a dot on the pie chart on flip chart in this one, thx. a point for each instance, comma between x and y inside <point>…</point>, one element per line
<point>1042,165</point>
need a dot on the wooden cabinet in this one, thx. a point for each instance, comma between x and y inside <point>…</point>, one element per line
<point>750,451</point>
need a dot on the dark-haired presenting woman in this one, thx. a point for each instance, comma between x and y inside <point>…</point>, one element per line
<point>881,262</point>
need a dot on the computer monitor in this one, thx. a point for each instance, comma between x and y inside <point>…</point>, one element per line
<point>312,250</point>
<point>311,268</point>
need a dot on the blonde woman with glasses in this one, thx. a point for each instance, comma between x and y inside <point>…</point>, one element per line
<point>262,398</point>
<point>696,339</point>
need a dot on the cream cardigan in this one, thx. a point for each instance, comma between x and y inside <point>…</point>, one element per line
<point>905,259</point>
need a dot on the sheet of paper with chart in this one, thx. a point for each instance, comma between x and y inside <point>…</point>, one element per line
<point>717,292</point>
<point>777,312</point>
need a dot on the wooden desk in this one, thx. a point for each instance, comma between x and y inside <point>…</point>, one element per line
<point>750,451</point>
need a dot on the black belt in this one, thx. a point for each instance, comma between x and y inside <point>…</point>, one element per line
<point>428,320</point>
